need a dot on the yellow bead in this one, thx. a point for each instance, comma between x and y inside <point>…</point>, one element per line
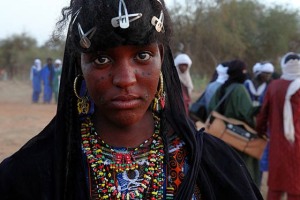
<point>146,176</point>
<point>119,195</point>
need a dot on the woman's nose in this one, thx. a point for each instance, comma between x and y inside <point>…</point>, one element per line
<point>124,75</point>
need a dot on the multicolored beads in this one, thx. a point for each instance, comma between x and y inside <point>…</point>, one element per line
<point>104,173</point>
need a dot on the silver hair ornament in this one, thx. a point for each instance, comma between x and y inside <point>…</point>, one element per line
<point>74,16</point>
<point>84,39</point>
<point>124,20</point>
<point>158,23</point>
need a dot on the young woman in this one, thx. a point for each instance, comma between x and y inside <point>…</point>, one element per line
<point>121,131</point>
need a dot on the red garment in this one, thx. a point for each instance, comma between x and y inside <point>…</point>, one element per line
<point>284,158</point>
<point>186,98</point>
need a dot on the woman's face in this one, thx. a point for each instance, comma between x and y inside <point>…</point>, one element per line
<point>122,81</point>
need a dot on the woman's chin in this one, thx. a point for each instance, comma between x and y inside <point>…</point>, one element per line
<point>125,118</point>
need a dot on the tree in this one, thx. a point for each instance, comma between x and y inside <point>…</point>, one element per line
<point>18,52</point>
<point>218,30</point>
<point>14,51</point>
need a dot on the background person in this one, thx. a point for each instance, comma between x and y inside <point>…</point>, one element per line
<point>212,87</point>
<point>183,65</point>
<point>237,105</point>
<point>47,74</point>
<point>258,85</point>
<point>56,78</point>
<point>280,114</point>
<point>35,77</point>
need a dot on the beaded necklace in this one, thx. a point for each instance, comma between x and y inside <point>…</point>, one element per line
<point>107,164</point>
<point>122,158</point>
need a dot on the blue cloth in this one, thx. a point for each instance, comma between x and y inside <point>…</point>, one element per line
<point>36,84</point>
<point>264,162</point>
<point>47,76</point>
<point>253,97</point>
<point>210,91</point>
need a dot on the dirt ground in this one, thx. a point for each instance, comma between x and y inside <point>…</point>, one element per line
<point>20,119</point>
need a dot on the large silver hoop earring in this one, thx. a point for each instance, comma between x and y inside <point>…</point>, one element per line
<point>159,100</point>
<point>83,104</point>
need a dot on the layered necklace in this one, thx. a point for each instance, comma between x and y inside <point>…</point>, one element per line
<point>125,173</point>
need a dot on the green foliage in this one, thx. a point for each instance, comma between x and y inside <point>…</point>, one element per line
<point>215,31</point>
<point>18,52</point>
<point>211,31</point>
<point>199,82</point>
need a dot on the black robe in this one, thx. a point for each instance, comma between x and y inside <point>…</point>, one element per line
<point>32,174</point>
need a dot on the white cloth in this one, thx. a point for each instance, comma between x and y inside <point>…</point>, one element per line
<point>37,65</point>
<point>288,122</point>
<point>222,74</point>
<point>185,77</point>
<point>256,92</point>
<point>58,65</point>
<point>290,71</point>
<point>58,62</point>
<point>258,68</point>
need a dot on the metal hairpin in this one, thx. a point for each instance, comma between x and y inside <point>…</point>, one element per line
<point>158,22</point>
<point>124,20</point>
<point>84,39</point>
<point>76,15</point>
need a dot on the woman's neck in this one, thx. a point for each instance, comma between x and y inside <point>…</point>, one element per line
<point>125,136</point>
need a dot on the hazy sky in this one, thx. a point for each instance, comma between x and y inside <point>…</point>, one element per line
<point>37,18</point>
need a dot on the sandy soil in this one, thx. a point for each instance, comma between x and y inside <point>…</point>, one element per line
<point>20,120</point>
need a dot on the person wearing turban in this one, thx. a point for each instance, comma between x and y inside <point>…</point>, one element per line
<point>258,85</point>
<point>279,114</point>
<point>183,64</point>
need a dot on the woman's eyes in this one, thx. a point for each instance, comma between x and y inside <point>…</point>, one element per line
<point>101,60</point>
<point>143,56</point>
<point>140,57</point>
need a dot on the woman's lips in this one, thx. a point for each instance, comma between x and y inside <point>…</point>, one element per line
<point>126,102</point>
